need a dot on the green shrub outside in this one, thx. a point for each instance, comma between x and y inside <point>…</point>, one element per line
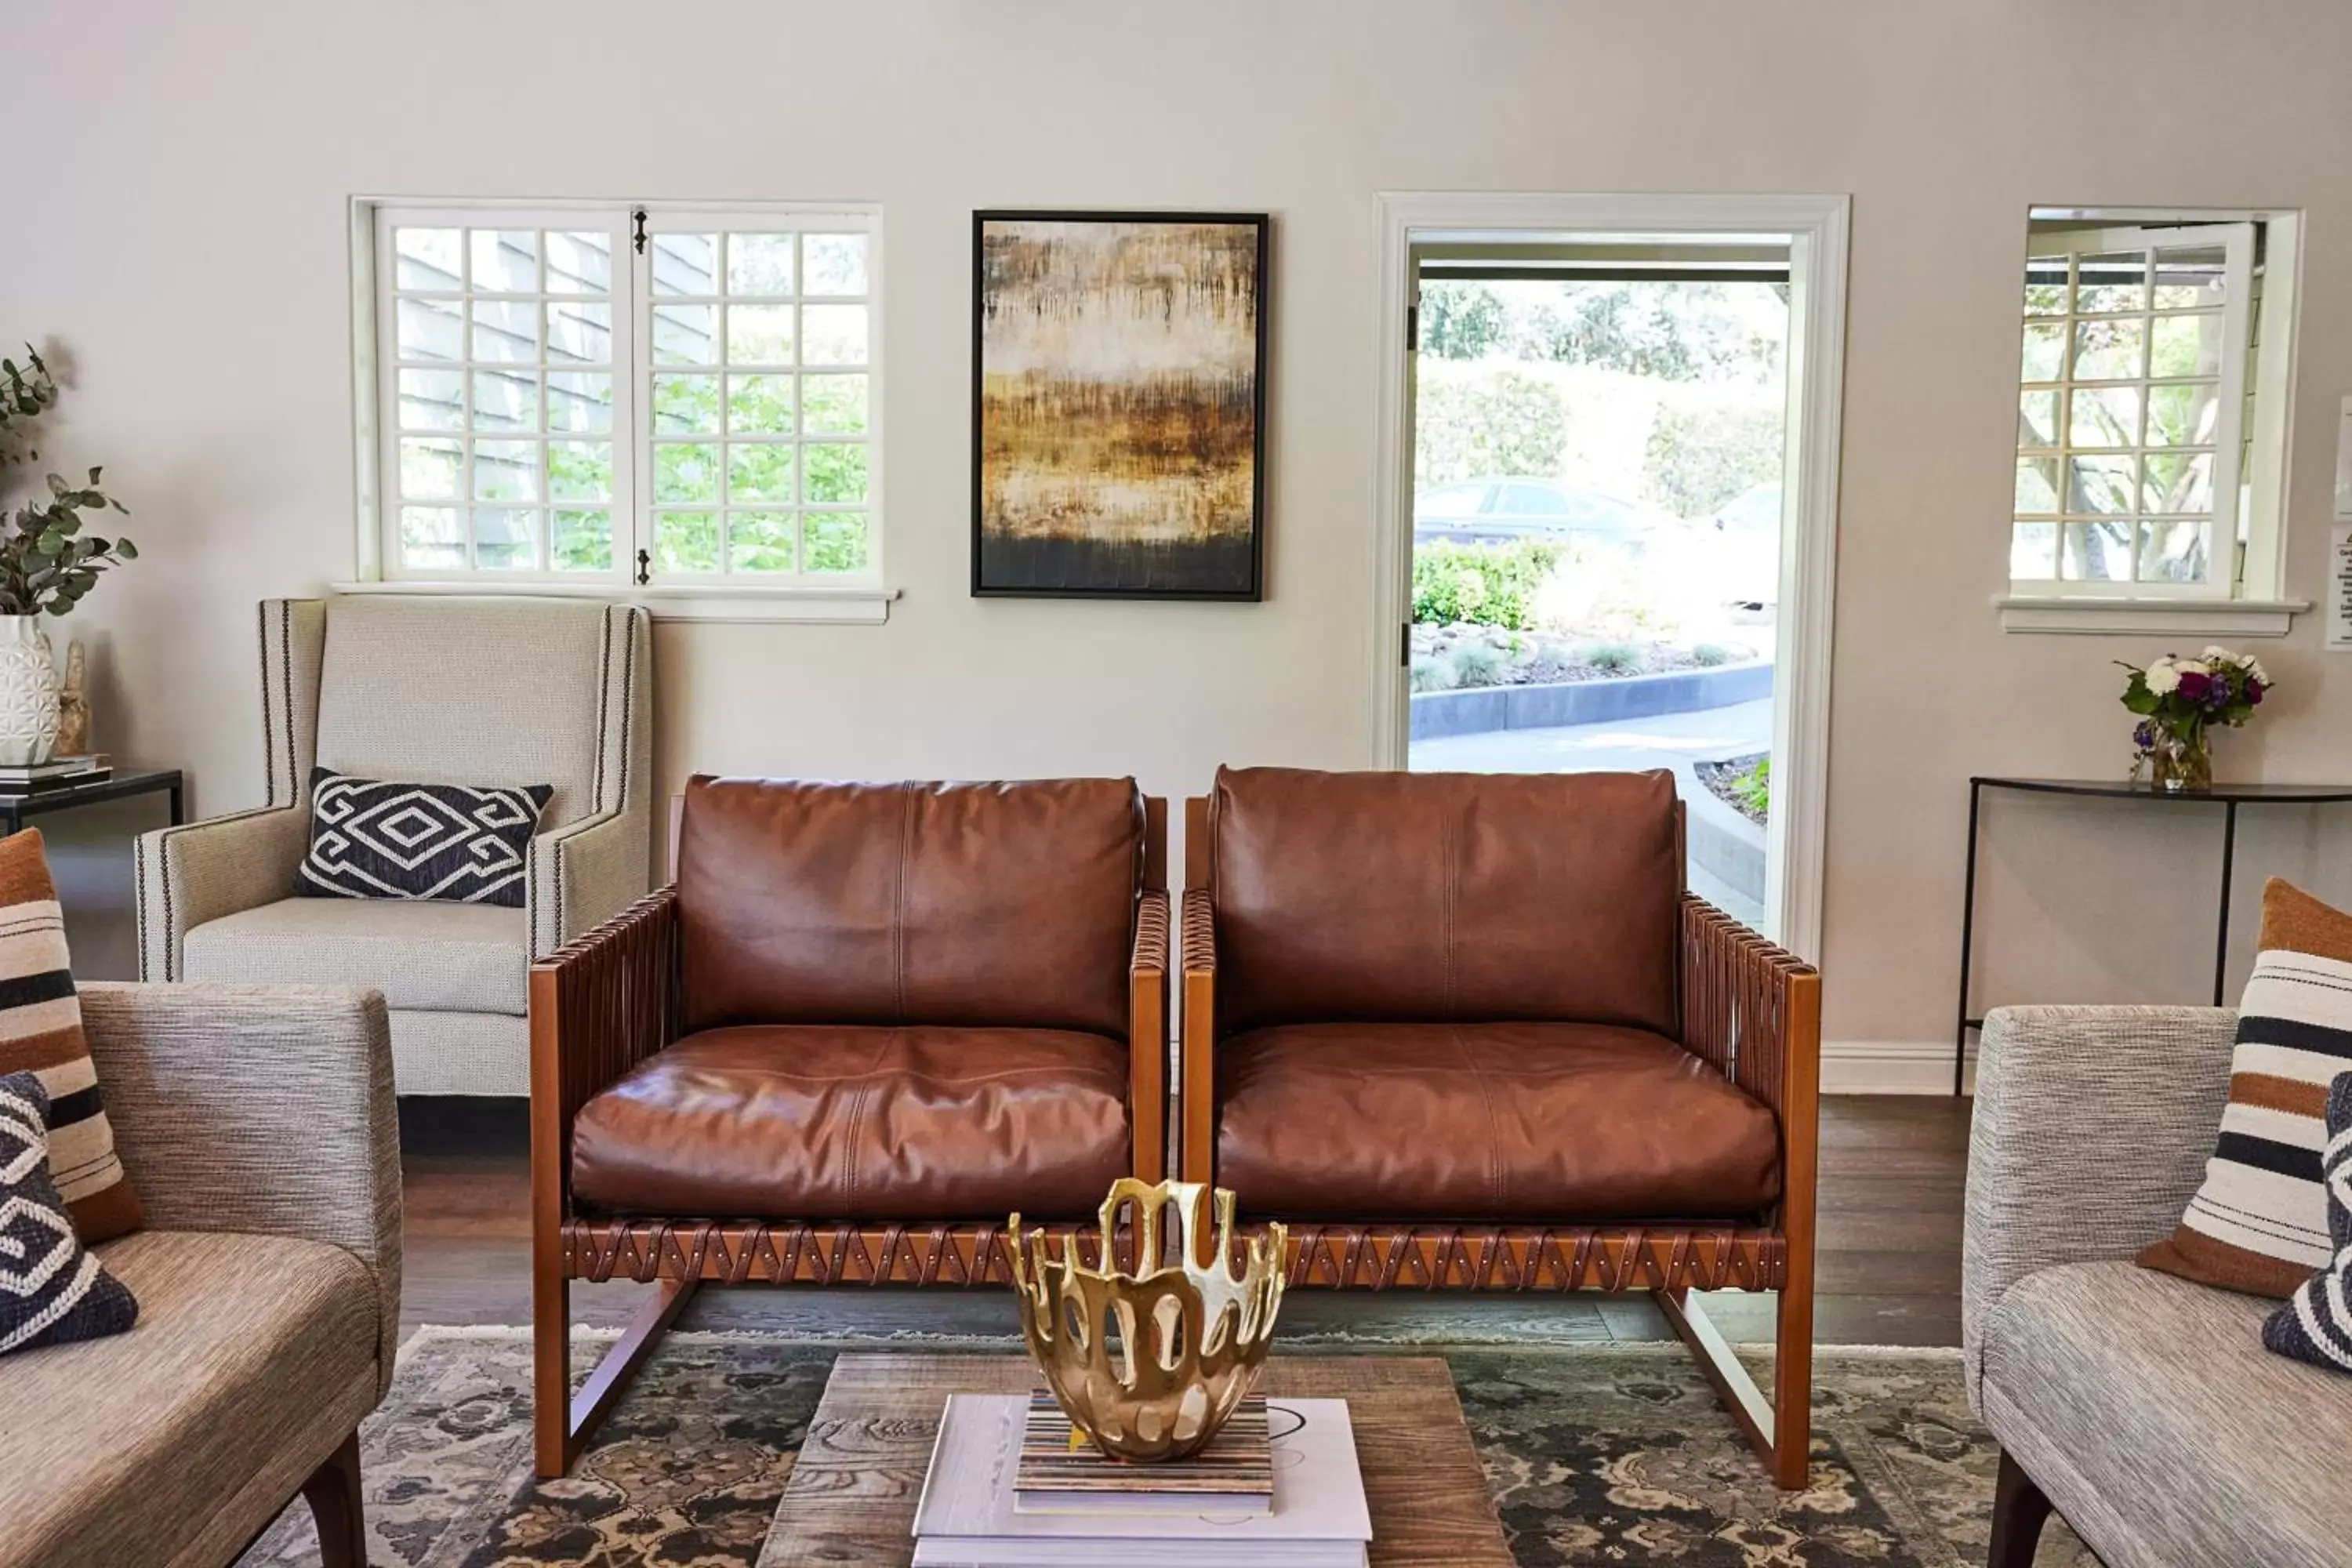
<point>1481,584</point>
<point>1614,658</point>
<point>1475,664</point>
<point>1754,787</point>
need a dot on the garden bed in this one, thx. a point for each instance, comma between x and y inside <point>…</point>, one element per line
<point>1599,701</point>
<point>1466,657</point>
<point>1735,782</point>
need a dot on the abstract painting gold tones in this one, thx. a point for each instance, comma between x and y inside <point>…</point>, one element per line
<point>1119,403</point>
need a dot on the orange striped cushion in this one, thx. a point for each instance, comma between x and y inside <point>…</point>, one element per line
<point>2258,1222</point>
<point>40,1032</point>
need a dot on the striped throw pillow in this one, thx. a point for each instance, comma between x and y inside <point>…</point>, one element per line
<point>40,1032</point>
<point>2258,1222</point>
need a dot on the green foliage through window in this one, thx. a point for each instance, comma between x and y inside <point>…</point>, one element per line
<point>836,540</point>
<point>1689,332</point>
<point>1502,423</point>
<point>1483,585</point>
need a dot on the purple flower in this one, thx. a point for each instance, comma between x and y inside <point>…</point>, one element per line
<point>2144,735</point>
<point>2194,687</point>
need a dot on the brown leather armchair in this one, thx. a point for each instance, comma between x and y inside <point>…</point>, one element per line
<point>1468,1030</point>
<point>865,1024</point>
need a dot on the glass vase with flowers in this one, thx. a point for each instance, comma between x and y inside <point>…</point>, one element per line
<point>2180,702</point>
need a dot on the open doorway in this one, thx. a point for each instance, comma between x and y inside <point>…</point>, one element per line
<point>1612,458</point>
<point>1599,437</point>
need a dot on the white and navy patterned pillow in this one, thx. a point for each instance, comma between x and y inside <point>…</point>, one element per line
<point>52,1288</point>
<point>460,843</point>
<point>2315,1324</point>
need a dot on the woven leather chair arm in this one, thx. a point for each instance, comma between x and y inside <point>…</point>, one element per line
<point>1199,932</point>
<point>1151,954</point>
<point>1147,1036</point>
<point>1197,1068</point>
<point>1749,1008</point>
<point>603,1003</point>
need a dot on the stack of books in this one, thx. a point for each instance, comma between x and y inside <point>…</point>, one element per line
<point>57,772</point>
<point>1013,1486</point>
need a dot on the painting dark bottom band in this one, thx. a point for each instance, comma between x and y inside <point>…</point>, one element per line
<point>1222,568</point>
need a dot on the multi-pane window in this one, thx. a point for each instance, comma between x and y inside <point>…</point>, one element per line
<point>632,395</point>
<point>760,376</point>
<point>2131,410</point>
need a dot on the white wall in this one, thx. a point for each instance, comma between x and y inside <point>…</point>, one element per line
<point>175,218</point>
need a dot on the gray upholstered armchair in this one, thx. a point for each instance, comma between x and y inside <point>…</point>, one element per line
<point>260,1129</point>
<point>2142,1407</point>
<point>431,690</point>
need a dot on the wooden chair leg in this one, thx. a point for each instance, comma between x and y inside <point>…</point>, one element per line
<point>562,1422</point>
<point>2018,1513</point>
<point>552,1449</point>
<point>333,1493</point>
<point>1779,1429</point>
<point>1792,1386</point>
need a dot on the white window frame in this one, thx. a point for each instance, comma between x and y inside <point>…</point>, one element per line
<point>2246,598</point>
<point>861,597</point>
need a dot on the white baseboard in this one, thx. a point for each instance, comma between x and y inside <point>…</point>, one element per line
<point>1892,1067</point>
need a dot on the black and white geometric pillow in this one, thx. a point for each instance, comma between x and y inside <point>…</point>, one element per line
<point>464,844</point>
<point>2315,1324</point>
<point>52,1290</point>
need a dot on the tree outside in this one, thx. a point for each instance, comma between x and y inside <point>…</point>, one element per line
<point>1666,394</point>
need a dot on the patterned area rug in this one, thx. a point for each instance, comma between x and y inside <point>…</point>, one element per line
<point>1594,1454</point>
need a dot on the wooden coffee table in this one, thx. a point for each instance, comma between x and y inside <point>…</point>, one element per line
<point>853,1491</point>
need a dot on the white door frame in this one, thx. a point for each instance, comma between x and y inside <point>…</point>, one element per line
<point>1815,227</point>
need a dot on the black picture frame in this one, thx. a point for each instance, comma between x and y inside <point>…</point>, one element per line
<point>1245,565</point>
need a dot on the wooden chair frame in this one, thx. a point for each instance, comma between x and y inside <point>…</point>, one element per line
<point>1750,1010</point>
<point>609,1000</point>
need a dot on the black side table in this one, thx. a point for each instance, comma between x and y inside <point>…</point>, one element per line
<point>2228,796</point>
<point>124,782</point>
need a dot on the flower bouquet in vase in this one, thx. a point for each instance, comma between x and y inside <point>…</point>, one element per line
<point>2180,702</point>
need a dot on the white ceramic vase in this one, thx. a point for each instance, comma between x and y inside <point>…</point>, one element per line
<point>28,692</point>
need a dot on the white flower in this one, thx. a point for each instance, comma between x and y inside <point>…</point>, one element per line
<point>2163,678</point>
<point>2192,667</point>
<point>2216,654</point>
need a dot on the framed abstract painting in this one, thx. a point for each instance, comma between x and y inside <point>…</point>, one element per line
<point>1118,404</point>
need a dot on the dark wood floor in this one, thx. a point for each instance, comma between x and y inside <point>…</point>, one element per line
<point>1892,1174</point>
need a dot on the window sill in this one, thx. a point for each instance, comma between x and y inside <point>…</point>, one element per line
<point>2179,618</point>
<point>846,605</point>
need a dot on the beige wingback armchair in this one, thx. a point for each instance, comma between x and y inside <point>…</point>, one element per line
<point>430,691</point>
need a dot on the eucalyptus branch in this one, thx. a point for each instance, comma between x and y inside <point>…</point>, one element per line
<point>48,564</point>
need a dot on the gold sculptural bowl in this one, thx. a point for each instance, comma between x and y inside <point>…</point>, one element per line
<point>1149,1359</point>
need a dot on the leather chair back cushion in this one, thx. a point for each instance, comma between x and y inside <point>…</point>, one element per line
<point>976,904</point>
<point>1445,896</point>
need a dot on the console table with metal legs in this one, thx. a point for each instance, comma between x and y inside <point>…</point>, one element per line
<point>17,805</point>
<point>2228,796</point>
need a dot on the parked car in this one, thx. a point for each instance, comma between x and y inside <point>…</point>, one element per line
<point>1504,511</point>
<point>1749,530</point>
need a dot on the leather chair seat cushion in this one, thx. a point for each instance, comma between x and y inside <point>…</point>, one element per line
<point>1486,1122</point>
<point>825,1122</point>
